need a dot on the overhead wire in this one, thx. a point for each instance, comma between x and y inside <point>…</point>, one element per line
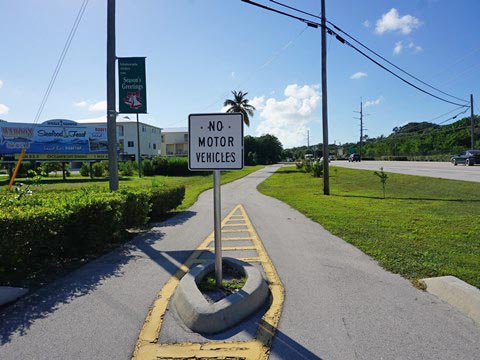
<point>63,54</point>
<point>275,56</point>
<point>346,42</point>
<point>372,51</point>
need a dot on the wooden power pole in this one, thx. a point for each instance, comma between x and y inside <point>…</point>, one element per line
<point>111,105</point>
<point>326,180</point>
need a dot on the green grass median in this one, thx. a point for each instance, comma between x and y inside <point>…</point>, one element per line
<point>425,227</point>
<point>194,185</point>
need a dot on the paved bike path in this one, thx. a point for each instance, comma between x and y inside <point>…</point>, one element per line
<point>339,304</point>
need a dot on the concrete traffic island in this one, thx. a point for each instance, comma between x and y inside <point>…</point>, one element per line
<point>203,317</point>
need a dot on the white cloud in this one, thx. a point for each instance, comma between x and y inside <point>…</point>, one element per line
<point>98,106</point>
<point>258,102</point>
<point>232,75</point>
<point>414,47</point>
<point>81,104</point>
<point>288,118</point>
<point>391,21</point>
<point>375,102</point>
<point>1,84</point>
<point>398,48</point>
<point>358,75</point>
<point>4,109</point>
<point>102,118</point>
<point>366,23</point>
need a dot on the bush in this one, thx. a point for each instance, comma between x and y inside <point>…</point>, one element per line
<point>128,168</point>
<point>54,227</point>
<point>99,169</point>
<point>317,168</point>
<point>147,167</point>
<point>85,169</point>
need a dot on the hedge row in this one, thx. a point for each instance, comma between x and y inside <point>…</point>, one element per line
<point>169,166</point>
<point>74,224</point>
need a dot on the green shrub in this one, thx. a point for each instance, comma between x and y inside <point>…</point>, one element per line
<point>51,227</point>
<point>317,168</point>
<point>99,169</point>
<point>85,169</point>
<point>138,206</point>
<point>128,168</point>
<point>307,167</point>
<point>147,167</point>
<point>164,200</point>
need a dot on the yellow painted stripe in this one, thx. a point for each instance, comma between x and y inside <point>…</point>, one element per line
<point>233,248</point>
<point>147,347</point>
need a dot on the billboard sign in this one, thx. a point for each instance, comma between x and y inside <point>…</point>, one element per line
<point>132,89</point>
<point>52,139</point>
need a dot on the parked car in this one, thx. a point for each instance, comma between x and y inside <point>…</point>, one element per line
<point>469,158</point>
<point>354,157</point>
<point>331,158</point>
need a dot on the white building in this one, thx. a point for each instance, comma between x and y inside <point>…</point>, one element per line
<point>174,142</point>
<point>150,138</point>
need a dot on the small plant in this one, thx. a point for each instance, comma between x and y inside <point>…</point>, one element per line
<point>299,164</point>
<point>335,171</point>
<point>383,179</point>
<point>317,168</point>
<point>307,167</point>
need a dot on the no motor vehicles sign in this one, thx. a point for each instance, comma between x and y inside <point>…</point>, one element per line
<point>215,141</point>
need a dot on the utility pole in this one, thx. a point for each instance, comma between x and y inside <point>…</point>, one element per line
<point>308,140</point>
<point>111,105</point>
<point>472,124</point>
<point>361,126</point>
<point>326,179</point>
<point>139,159</point>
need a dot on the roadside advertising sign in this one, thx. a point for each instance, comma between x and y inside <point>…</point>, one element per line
<point>132,88</point>
<point>54,140</point>
<point>215,141</point>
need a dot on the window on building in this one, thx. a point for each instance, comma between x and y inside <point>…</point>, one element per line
<point>130,144</point>
<point>149,146</point>
<point>143,128</point>
<point>163,138</point>
<point>120,130</point>
<point>154,146</point>
<point>185,137</point>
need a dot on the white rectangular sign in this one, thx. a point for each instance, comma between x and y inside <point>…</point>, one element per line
<point>215,141</point>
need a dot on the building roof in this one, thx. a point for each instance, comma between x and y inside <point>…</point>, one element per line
<point>175,130</point>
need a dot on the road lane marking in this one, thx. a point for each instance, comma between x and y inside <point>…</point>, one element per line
<point>258,348</point>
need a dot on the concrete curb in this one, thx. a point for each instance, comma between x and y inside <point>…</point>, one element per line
<point>203,317</point>
<point>10,294</point>
<point>457,293</point>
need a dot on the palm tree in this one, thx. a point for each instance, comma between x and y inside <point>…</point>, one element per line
<point>240,104</point>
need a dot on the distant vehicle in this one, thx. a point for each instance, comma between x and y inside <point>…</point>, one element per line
<point>354,157</point>
<point>469,158</point>
<point>308,156</point>
<point>331,158</point>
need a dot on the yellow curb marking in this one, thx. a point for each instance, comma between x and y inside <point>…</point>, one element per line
<point>233,248</point>
<point>147,347</point>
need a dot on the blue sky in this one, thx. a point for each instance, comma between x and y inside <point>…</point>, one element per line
<point>199,50</point>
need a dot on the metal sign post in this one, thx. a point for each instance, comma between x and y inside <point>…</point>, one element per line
<point>216,143</point>
<point>217,218</point>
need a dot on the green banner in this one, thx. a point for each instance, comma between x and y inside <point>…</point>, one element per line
<point>132,88</point>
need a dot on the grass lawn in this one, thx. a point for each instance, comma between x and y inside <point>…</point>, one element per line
<point>425,227</point>
<point>194,185</point>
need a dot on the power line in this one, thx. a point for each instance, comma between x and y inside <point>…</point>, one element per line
<point>372,51</point>
<point>343,41</point>
<point>68,42</point>
<point>275,56</point>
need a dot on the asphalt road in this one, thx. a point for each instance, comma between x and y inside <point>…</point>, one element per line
<point>339,303</point>
<point>444,170</point>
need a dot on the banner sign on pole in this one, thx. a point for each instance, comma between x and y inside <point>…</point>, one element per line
<point>215,141</point>
<point>132,88</point>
